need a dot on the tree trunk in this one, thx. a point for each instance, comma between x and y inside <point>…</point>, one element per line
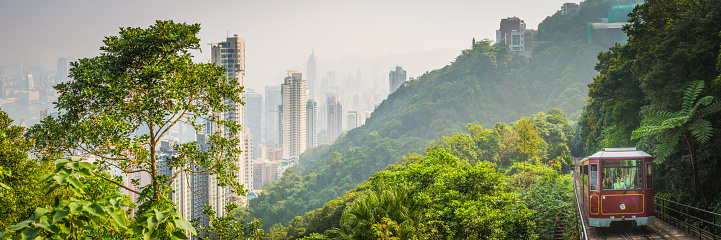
<point>153,165</point>
<point>694,166</point>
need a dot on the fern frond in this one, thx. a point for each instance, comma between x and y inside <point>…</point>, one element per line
<point>647,131</point>
<point>701,129</point>
<point>693,90</point>
<point>711,109</point>
<point>656,118</point>
<point>674,122</point>
<point>666,143</point>
<point>705,101</point>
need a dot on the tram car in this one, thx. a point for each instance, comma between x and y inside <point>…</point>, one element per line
<point>618,186</point>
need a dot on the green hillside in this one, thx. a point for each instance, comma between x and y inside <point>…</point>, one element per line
<point>484,85</point>
<point>673,45</point>
<point>455,190</point>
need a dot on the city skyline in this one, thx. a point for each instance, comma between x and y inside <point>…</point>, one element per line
<point>338,32</point>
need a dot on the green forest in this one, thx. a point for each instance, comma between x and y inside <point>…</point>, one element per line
<point>660,92</point>
<point>454,189</point>
<point>477,149</point>
<point>486,84</point>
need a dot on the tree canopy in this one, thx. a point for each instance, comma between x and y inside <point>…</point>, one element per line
<point>119,106</point>
<point>117,109</point>
<point>671,46</point>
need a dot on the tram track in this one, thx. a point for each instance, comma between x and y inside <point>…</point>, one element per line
<point>625,235</point>
<point>628,232</point>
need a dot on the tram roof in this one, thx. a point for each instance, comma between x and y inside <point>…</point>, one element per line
<point>620,153</point>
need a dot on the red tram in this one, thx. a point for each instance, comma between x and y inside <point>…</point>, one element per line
<point>618,186</point>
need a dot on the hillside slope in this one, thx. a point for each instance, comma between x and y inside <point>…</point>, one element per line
<point>484,85</point>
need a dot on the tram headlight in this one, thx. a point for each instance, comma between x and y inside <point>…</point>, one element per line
<point>623,206</point>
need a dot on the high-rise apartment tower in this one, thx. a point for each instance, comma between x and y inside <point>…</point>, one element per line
<point>311,78</point>
<point>335,118</point>
<point>311,123</point>
<point>396,78</point>
<point>273,99</point>
<point>293,115</point>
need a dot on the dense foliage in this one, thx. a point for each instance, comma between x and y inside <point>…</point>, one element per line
<point>671,45</point>
<point>117,108</point>
<point>121,104</point>
<point>20,183</point>
<point>485,84</point>
<point>455,189</point>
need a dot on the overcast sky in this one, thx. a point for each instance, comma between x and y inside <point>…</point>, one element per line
<point>279,35</point>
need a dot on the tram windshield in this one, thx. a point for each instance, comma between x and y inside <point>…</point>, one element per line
<point>622,174</point>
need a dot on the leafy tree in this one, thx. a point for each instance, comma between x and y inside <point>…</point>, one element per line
<point>231,226</point>
<point>20,176</point>
<point>549,195</point>
<point>688,124</point>
<point>120,105</point>
<point>387,212</point>
<point>277,232</point>
<point>671,44</point>
<point>104,217</point>
<point>529,142</point>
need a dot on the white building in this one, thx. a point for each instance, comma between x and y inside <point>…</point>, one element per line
<point>352,120</point>
<point>293,116</point>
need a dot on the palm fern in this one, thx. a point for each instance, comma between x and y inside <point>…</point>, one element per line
<point>395,204</point>
<point>666,129</point>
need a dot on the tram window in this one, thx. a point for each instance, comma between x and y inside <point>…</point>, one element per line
<point>594,177</point>
<point>622,174</point>
<point>649,176</point>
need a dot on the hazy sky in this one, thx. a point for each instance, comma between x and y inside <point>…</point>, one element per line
<point>279,35</point>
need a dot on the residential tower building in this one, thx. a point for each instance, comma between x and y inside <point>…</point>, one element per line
<point>396,78</point>
<point>311,123</point>
<point>335,118</point>
<point>293,115</point>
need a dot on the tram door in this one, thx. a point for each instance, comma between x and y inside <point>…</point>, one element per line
<point>649,188</point>
<point>593,189</point>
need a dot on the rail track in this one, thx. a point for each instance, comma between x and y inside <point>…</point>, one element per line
<point>627,231</point>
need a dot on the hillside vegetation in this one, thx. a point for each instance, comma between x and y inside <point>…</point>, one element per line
<point>666,80</point>
<point>485,84</point>
<point>453,189</point>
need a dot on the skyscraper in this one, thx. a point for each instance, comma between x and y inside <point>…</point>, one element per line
<point>29,82</point>
<point>396,78</point>
<point>352,120</point>
<point>335,118</point>
<point>253,117</point>
<point>293,115</point>
<point>62,72</point>
<point>311,123</point>
<point>273,99</point>
<point>311,77</point>
<point>324,93</point>
<point>231,55</point>
<point>207,191</point>
<point>246,164</point>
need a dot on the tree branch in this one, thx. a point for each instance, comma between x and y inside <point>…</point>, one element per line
<point>176,120</point>
<point>121,185</point>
